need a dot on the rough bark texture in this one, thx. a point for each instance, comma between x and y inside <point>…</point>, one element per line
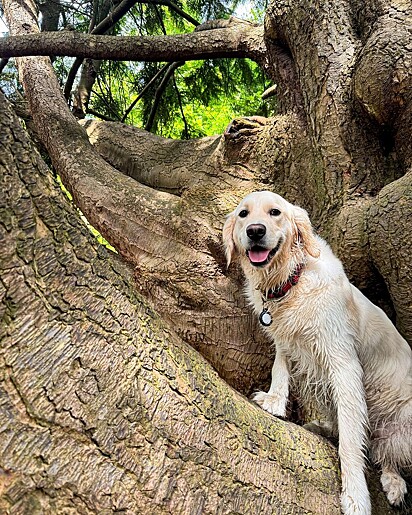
<point>322,151</point>
<point>102,408</point>
<point>339,147</point>
<point>239,40</point>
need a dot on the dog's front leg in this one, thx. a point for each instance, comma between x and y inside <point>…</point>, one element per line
<point>348,392</point>
<point>275,400</point>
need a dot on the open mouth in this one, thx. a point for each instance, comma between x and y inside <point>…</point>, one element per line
<point>260,256</point>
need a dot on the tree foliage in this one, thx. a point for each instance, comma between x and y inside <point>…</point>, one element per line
<point>194,99</point>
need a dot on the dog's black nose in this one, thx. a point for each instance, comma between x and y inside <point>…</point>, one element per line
<point>256,232</point>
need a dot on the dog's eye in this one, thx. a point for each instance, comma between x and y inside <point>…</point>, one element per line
<point>243,213</point>
<point>274,212</point>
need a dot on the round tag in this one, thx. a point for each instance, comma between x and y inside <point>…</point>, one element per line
<point>265,318</point>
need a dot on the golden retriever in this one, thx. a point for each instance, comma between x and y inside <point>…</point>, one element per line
<point>338,348</point>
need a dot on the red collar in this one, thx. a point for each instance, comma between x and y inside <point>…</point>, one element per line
<point>281,291</point>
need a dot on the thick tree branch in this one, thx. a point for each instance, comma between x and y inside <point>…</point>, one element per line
<point>50,10</point>
<point>383,78</point>
<point>102,408</point>
<point>84,88</point>
<point>62,136</point>
<point>237,41</point>
<point>323,46</point>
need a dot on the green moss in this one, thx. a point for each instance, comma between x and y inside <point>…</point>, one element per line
<point>90,227</point>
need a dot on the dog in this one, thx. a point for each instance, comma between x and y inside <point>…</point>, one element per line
<point>337,347</point>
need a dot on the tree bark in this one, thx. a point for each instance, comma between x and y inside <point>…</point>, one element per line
<point>238,40</point>
<point>333,148</point>
<point>103,407</point>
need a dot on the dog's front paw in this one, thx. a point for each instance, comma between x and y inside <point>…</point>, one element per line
<point>273,403</point>
<point>394,487</point>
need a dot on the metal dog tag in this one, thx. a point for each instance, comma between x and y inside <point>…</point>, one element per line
<point>265,317</point>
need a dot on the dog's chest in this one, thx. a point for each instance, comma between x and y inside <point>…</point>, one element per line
<point>297,323</point>
<point>295,329</point>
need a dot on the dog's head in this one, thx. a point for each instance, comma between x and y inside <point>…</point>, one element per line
<point>265,229</point>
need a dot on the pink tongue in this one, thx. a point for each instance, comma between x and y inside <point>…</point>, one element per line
<point>258,256</point>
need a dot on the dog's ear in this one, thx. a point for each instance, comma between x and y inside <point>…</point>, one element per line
<point>228,242</point>
<point>303,232</point>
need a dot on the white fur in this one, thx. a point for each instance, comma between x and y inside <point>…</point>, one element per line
<point>337,347</point>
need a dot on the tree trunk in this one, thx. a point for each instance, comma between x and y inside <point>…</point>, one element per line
<point>108,381</point>
<point>103,408</point>
<point>50,11</point>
